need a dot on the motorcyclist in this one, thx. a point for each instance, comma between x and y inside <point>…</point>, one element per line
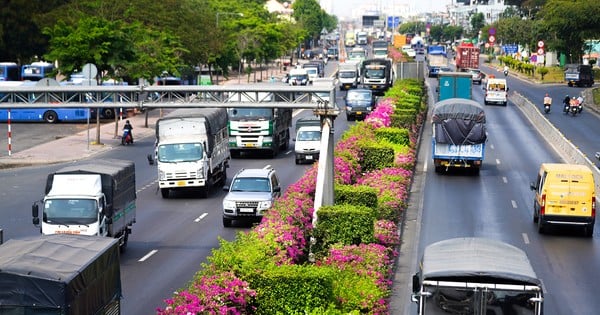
<point>505,70</point>
<point>547,100</point>
<point>128,127</point>
<point>567,102</point>
<point>580,103</point>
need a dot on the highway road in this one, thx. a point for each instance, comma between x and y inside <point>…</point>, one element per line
<point>173,237</point>
<point>498,203</point>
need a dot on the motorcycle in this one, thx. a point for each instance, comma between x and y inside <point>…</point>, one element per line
<point>546,108</point>
<point>505,73</point>
<point>567,107</point>
<point>574,109</point>
<point>126,138</point>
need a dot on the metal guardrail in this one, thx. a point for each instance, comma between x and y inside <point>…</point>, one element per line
<point>263,94</point>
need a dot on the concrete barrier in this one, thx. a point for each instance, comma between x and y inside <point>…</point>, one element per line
<point>563,146</point>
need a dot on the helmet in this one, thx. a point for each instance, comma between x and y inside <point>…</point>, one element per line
<point>127,121</point>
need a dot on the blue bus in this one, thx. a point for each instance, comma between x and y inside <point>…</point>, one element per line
<point>36,70</point>
<point>49,115</point>
<point>9,71</point>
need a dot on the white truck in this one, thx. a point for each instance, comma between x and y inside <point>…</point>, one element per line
<point>348,74</point>
<point>192,150</point>
<point>308,139</point>
<point>96,198</point>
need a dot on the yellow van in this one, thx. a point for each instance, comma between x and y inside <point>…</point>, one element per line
<point>565,195</point>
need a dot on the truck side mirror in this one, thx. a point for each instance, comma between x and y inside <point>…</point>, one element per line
<point>150,159</point>
<point>35,210</point>
<point>416,284</point>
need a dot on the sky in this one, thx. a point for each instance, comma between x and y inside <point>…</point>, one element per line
<point>344,8</point>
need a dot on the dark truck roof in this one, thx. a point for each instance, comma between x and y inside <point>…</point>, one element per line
<point>477,259</point>
<point>118,179</point>
<point>459,121</point>
<point>216,118</point>
<point>80,274</point>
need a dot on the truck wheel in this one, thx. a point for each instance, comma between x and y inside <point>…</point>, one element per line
<point>235,153</point>
<point>439,169</point>
<point>226,222</point>
<point>536,216</point>
<point>223,179</point>
<point>164,192</point>
<point>123,246</point>
<point>204,190</point>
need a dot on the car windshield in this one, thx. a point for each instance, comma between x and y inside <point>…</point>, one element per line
<point>359,96</point>
<point>309,136</point>
<point>347,74</point>
<point>256,184</point>
<point>70,211</point>
<point>374,74</point>
<point>180,152</point>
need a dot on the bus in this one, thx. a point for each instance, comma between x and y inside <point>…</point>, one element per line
<point>49,115</point>
<point>9,71</point>
<point>36,70</point>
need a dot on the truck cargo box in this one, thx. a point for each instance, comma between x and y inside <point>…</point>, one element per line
<point>60,274</point>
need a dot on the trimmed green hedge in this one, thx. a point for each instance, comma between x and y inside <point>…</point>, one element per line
<point>343,224</point>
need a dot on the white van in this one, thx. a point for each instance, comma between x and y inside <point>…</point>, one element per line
<point>496,92</point>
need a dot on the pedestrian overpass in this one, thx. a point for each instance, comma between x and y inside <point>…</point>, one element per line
<point>189,96</point>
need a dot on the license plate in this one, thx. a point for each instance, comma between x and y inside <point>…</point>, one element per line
<point>358,113</point>
<point>373,86</point>
<point>181,183</point>
<point>246,210</point>
<point>309,157</point>
<point>249,145</point>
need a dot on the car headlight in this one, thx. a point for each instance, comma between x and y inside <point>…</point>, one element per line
<point>200,173</point>
<point>348,108</point>
<point>162,175</point>
<point>264,205</point>
<point>369,108</point>
<point>228,204</point>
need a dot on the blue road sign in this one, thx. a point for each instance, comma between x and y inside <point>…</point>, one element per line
<point>510,49</point>
<point>393,21</point>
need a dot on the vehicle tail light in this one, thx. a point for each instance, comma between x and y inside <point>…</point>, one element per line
<point>543,205</point>
<point>593,206</point>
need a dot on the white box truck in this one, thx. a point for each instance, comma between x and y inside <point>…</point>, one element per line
<point>348,74</point>
<point>96,198</point>
<point>308,139</point>
<point>60,275</point>
<point>192,150</point>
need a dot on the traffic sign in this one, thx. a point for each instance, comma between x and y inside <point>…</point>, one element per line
<point>491,39</point>
<point>492,31</point>
<point>510,49</point>
<point>540,51</point>
<point>487,45</point>
<point>541,44</point>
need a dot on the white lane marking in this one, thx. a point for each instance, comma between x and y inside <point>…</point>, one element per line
<point>200,217</point>
<point>504,179</point>
<point>497,161</point>
<point>152,252</point>
<point>525,238</point>
<point>514,204</point>
<point>492,146</point>
<point>425,166</point>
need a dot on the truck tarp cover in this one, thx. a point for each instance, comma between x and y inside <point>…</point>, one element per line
<point>459,121</point>
<point>477,259</point>
<point>118,179</point>
<point>54,273</point>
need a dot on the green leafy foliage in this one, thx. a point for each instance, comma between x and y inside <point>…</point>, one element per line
<point>356,195</point>
<point>344,224</point>
<point>292,289</point>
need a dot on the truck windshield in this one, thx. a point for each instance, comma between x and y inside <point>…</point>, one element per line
<point>358,96</point>
<point>251,113</point>
<point>347,74</point>
<point>180,152</point>
<point>70,211</point>
<point>309,136</point>
<point>478,301</point>
<point>375,74</point>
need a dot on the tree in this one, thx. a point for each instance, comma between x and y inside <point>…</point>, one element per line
<point>477,23</point>
<point>570,23</point>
